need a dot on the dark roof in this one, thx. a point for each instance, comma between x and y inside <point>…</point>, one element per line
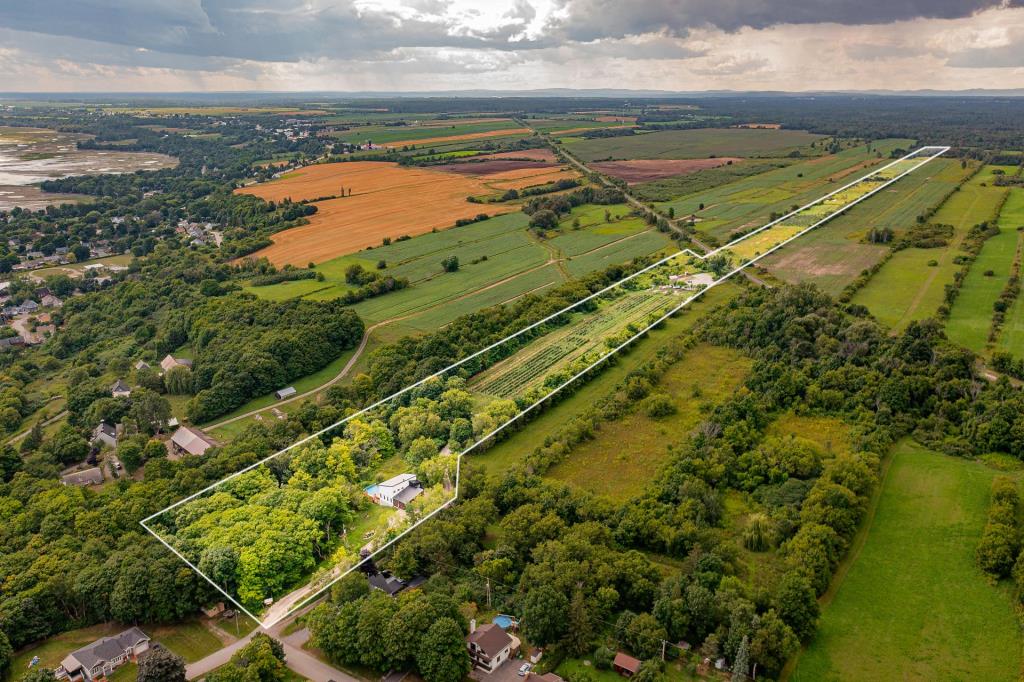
<point>106,428</point>
<point>88,477</point>
<point>409,494</point>
<point>120,386</point>
<point>490,639</point>
<point>626,662</point>
<point>108,648</point>
<point>387,583</point>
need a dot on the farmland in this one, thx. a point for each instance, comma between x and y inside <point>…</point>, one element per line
<point>645,170</point>
<point>693,144</point>
<point>899,293</point>
<point>970,317</point>
<point>914,605</point>
<point>749,201</point>
<point>835,254</point>
<point>383,200</point>
<point>429,132</point>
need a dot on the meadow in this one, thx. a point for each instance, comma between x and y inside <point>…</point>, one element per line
<point>424,132</point>
<point>624,456</point>
<point>907,288</point>
<point>913,604</point>
<point>970,318</point>
<point>689,144</point>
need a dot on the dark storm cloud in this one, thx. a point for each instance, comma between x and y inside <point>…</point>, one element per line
<point>593,19</point>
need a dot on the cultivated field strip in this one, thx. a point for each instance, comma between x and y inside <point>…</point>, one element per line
<point>725,262</point>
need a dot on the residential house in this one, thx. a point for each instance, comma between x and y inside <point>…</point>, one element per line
<point>91,476</point>
<point>191,441</point>
<point>11,342</point>
<point>141,364</point>
<point>386,583</point>
<point>490,646</point>
<point>105,433</point>
<point>120,389</point>
<point>390,492</point>
<point>625,665</point>
<point>51,301</point>
<point>170,362</point>
<point>103,656</point>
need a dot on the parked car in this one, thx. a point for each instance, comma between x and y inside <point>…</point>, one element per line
<point>523,669</point>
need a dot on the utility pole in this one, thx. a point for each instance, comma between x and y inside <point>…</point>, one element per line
<point>488,593</point>
<point>663,642</point>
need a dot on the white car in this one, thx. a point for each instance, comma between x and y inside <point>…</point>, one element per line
<point>523,669</point>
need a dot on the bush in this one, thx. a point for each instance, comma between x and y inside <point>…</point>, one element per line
<point>659,405</point>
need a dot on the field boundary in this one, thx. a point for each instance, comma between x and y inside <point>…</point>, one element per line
<point>926,154</point>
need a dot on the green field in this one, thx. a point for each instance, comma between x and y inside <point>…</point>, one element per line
<point>382,134</point>
<point>906,288</point>
<point>620,461</point>
<point>750,201</point>
<point>691,144</point>
<point>971,315</point>
<point>1012,217</point>
<point>512,450</point>
<point>834,254</point>
<point>914,605</point>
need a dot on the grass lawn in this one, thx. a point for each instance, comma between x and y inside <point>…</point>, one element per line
<point>913,604</point>
<point>512,450</point>
<point>623,457</point>
<point>1012,217</point>
<point>191,640</point>
<point>906,288</point>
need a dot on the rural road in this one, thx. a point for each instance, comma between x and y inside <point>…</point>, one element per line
<point>296,658</point>
<point>57,417</point>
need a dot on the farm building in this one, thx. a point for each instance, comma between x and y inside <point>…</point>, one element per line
<point>285,393</point>
<point>102,657</point>
<point>91,476</point>
<point>397,491</point>
<point>141,364</point>
<point>624,664</point>
<point>170,362</point>
<point>191,441</point>
<point>490,646</point>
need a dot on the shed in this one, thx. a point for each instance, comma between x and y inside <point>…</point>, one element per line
<point>285,393</point>
<point>624,664</point>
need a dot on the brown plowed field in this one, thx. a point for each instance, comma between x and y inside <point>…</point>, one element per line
<point>456,138</point>
<point>387,200</point>
<point>645,170</point>
<point>541,154</point>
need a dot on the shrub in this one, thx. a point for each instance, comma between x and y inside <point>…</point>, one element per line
<point>659,405</point>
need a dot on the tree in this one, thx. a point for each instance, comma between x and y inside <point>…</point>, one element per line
<point>6,651</point>
<point>178,380</point>
<point>10,463</point>
<point>161,665</point>
<point>149,410</point>
<point>741,665</point>
<point>67,446</point>
<point>350,588</point>
<point>773,643</point>
<point>580,628</point>
<point>442,655</point>
<point>644,636</point>
<point>544,219</point>
<point>450,263</point>
<point>37,674</point>
<point>261,660</point>
<point>544,611</point>
<point>797,605</point>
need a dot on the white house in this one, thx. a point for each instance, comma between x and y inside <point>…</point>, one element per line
<point>396,492</point>
<point>103,656</point>
<point>120,389</point>
<point>105,433</point>
<point>490,646</point>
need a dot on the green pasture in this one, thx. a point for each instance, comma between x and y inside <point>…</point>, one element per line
<point>1012,217</point>
<point>971,316</point>
<point>696,143</point>
<point>913,605</point>
<point>384,134</point>
<point>906,288</point>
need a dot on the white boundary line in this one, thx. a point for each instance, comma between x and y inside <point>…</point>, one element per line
<point>936,152</point>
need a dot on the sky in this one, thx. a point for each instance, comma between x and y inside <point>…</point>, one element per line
<point>424,45</point>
